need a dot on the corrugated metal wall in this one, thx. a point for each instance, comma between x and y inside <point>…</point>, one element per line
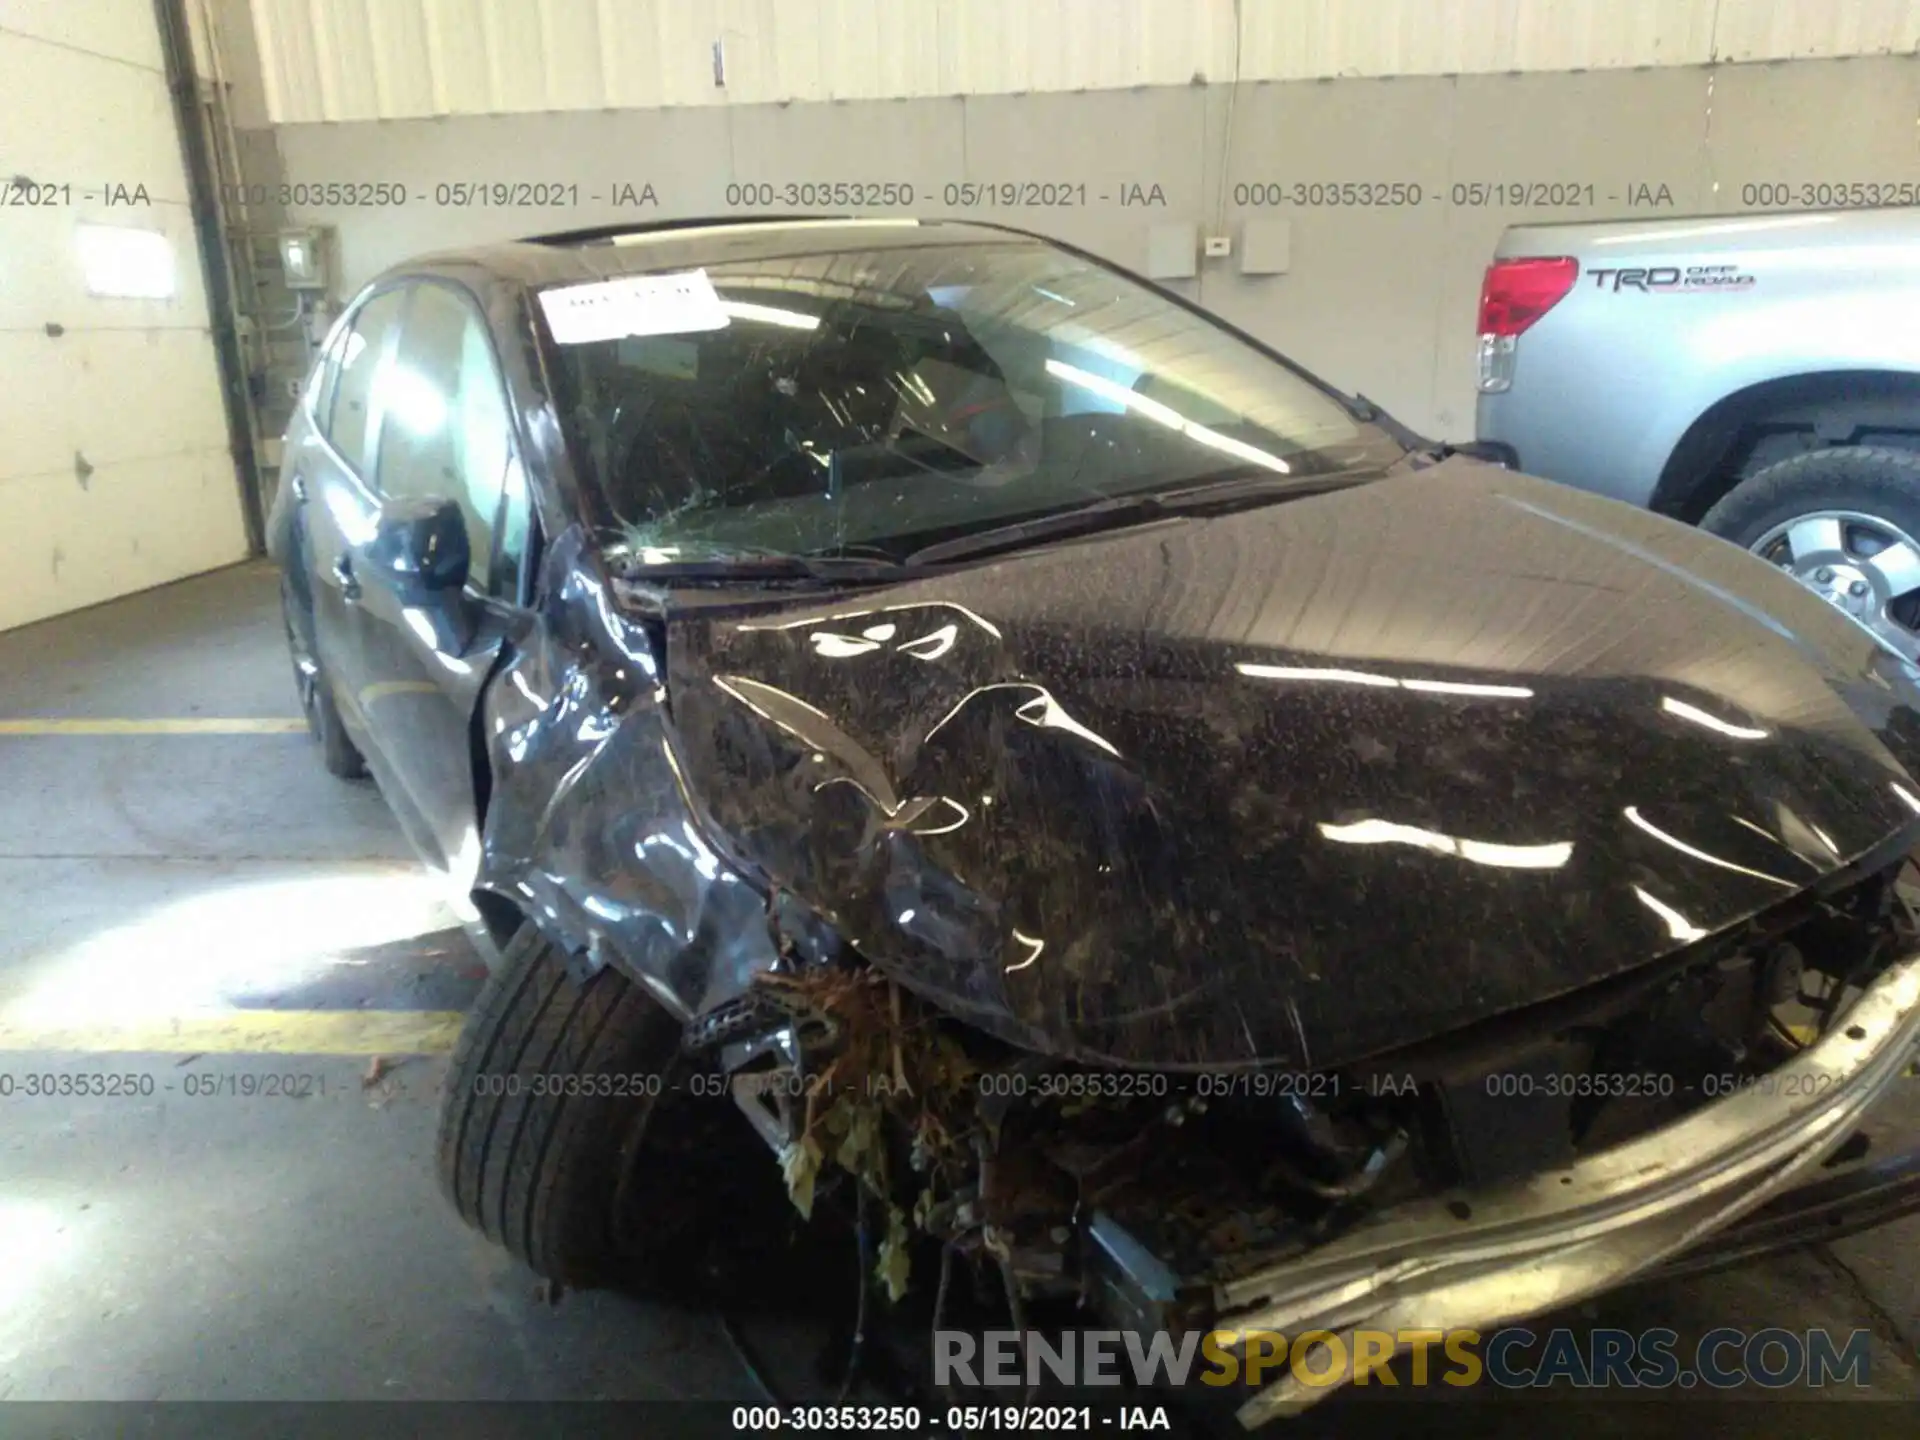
<point>394,59</point>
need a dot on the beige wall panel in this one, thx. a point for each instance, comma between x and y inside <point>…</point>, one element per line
<point>114,468</point>
<point>682,153</point>
<point>919,142</point>
<point>135,525</point>
<point>1357,305</point>
<point>108,395</point>
<point>69,115</point>
<point>41,280</point>
<point>1379,298</point>
<point>396,59</point>
<point>1109,147</point>
<point>1810,29</point>
<point>1763,127</point>
<point>112,29</point>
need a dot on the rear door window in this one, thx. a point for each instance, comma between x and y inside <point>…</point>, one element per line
<point>353,419</point>
<point>326,370</point>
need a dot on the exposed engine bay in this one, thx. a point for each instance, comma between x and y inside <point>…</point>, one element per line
<point>1143,1196</point>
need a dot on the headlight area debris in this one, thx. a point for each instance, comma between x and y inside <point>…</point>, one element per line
<point>1007,1157</point>
<point>1176,1201</point>
<point>888,1069</point>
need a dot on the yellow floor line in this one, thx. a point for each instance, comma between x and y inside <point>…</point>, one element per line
<point>253,1032</point>
<point>77,726</point>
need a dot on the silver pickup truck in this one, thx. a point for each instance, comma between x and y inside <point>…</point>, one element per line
<point>1757,375</point>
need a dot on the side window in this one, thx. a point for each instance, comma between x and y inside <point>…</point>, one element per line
<point>326,370</point>
<point>350,425</point>
<point>446,428</point>
<point>516,520</point>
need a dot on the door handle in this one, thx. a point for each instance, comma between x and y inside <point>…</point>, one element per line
<point>298,485</point>
<point>343,573</point>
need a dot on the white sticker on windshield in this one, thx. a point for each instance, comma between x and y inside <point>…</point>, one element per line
<point>632,305</point>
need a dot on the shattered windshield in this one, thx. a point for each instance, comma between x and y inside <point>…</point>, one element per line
<point>875,402</point>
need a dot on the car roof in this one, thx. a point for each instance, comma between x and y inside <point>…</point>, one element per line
<point>585,255</point>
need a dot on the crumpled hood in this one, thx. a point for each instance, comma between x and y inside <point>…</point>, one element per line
<point>1303,783</point>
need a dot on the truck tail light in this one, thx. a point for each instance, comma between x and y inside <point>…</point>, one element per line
<point>1514,294</point>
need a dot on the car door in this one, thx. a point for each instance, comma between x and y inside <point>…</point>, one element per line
<point>443,434</point>
<point>330,483</point>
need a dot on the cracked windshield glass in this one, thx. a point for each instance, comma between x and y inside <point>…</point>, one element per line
<point>874,402</point>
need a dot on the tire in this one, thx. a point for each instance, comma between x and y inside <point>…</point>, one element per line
<point>548,1175</point>
<point>337,752</point>
<point>1875,491</point>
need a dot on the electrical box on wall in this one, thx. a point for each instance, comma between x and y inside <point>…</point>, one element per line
<point>1266,247</point>
<point>303,259</point>
<point>1172,252</point>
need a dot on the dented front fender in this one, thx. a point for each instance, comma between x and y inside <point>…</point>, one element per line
<point>591,830</point>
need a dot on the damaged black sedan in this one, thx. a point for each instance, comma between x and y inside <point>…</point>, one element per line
<point>1151,829</point>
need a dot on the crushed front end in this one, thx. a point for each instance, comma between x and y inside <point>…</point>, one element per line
<point>1130,944</point>
<point>1479,1178</point>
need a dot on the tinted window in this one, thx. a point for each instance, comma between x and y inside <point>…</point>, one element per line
<point>350,425</point>
<point>444,435</point>
<point>812,402</point>
<point>516,523</point>
<point>326,370</point>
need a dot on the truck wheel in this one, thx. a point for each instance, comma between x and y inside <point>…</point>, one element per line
<point>337,752</point>
<point>553,1089</point>
<point>1843,521</point>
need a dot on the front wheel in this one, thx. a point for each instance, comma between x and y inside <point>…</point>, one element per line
<point>557,1125</point>
<point>1845,522</point>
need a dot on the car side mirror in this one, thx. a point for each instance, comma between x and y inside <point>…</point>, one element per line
<point>420,550</point>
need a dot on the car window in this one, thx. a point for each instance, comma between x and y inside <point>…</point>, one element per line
<point>516,521</point>
<point>445,428</point>
<point>883,399</point>
<point>318,397</point>
<point>351,418</point>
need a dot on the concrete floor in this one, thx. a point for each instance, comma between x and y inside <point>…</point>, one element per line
<point>193,908</point>
<point>209,895</point>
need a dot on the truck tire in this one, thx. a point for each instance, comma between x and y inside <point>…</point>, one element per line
<point>550,1095</point>
<point>1867,560</point>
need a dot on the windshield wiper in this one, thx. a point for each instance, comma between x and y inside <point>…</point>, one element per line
<point>1222,493</point>
<point>1082,519</point>
<point>757,567</point>
<point>1368,413</point>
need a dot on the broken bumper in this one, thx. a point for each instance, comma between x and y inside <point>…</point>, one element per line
<point>1484,1259</point>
